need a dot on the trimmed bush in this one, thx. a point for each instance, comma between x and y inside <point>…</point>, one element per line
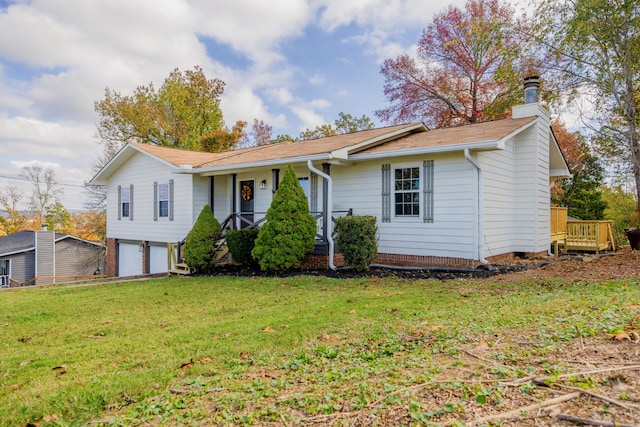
<point>357,240</point>
<point>290,230</point>
<point>241,243</point>
<point>199,246</point>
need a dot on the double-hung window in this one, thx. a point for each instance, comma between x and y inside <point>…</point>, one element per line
<point>163,200</point>
<point>407,191</point>
<point>125,202</point>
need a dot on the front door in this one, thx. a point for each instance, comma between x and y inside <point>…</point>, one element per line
<point>246,203</point>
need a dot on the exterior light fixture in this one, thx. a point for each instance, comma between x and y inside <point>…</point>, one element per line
<point>263,184</point>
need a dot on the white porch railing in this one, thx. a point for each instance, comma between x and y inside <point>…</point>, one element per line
<point>4,282</point>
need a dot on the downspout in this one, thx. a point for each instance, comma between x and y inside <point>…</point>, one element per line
<point>327,221</point>
<point>475,164</point>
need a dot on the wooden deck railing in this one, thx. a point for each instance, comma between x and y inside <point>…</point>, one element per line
<point>576,235</point>
<point>590,236</point>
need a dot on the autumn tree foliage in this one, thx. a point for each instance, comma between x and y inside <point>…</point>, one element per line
<point>345,123</point>
<point>468,68</point>
<point>223,139</point>
<point>184,109</point>
<point>594,46</point>
<point>582,193</point>
<point>14,219</point>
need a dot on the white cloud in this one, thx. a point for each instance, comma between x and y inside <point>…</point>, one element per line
<point>319,103</point>
<point>34,163</point>
<point>30,137</point>
<point>382,23</point>
<point>317,79</point>
<point>281,95</point>
<point>251,27</point>
<point>308,117</point>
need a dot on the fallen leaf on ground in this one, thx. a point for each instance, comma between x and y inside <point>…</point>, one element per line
<point>25,362</point>
<point>269,329</point>
<point>187,365</point>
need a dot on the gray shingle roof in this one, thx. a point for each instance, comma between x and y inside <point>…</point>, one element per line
<point>22,240</point>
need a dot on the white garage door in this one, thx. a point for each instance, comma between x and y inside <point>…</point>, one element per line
<point>157,259</point>
<point>129,259</point>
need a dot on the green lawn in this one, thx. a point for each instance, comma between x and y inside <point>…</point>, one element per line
<point>262,349</point>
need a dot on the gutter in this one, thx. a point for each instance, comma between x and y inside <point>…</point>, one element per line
<point>475,164</point>
<point>95,189</point>
<point>327,221</point>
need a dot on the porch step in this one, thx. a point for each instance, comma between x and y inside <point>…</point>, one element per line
<point>181,268</point>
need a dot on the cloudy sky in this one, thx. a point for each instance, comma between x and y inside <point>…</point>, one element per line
<point>293,63</point>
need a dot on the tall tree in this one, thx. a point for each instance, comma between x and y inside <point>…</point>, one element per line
<point>345,123</point>
<point>469,68</point>
<point>45,189</point>
<point>184,109</point>
<point>223,139</point>
<point>15,220</point>
<point>596,48</point>
<point>58,218</point>
<point>582,193</point>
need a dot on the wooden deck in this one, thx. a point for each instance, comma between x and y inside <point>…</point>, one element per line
<point>576,235</point>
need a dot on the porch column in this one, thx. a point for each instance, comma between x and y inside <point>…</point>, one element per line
<point>211,194</point>
<point>326,214</point>
<point>233,201</point>
<point>275,179</point>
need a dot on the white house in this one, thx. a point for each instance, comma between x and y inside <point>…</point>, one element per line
<point>456,197</point>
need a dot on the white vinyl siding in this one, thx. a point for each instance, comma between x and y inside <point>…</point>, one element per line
<point>454,201</point>
<point>143,171</point>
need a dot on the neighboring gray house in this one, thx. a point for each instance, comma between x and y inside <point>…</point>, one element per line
<point>45,257</point>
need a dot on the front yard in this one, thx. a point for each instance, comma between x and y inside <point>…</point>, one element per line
<point>323,351</point>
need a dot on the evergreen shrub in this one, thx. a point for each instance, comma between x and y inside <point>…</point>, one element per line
<point>200,243</point>
<point>357,240</point>
<point>241,243</point>
<point>289,232</point>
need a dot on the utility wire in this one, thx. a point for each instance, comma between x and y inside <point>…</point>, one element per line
<point>27,179</point>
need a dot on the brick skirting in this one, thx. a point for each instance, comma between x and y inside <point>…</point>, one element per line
<point>401,260</point>
<point>321,262</point>
<point>112,250</point>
